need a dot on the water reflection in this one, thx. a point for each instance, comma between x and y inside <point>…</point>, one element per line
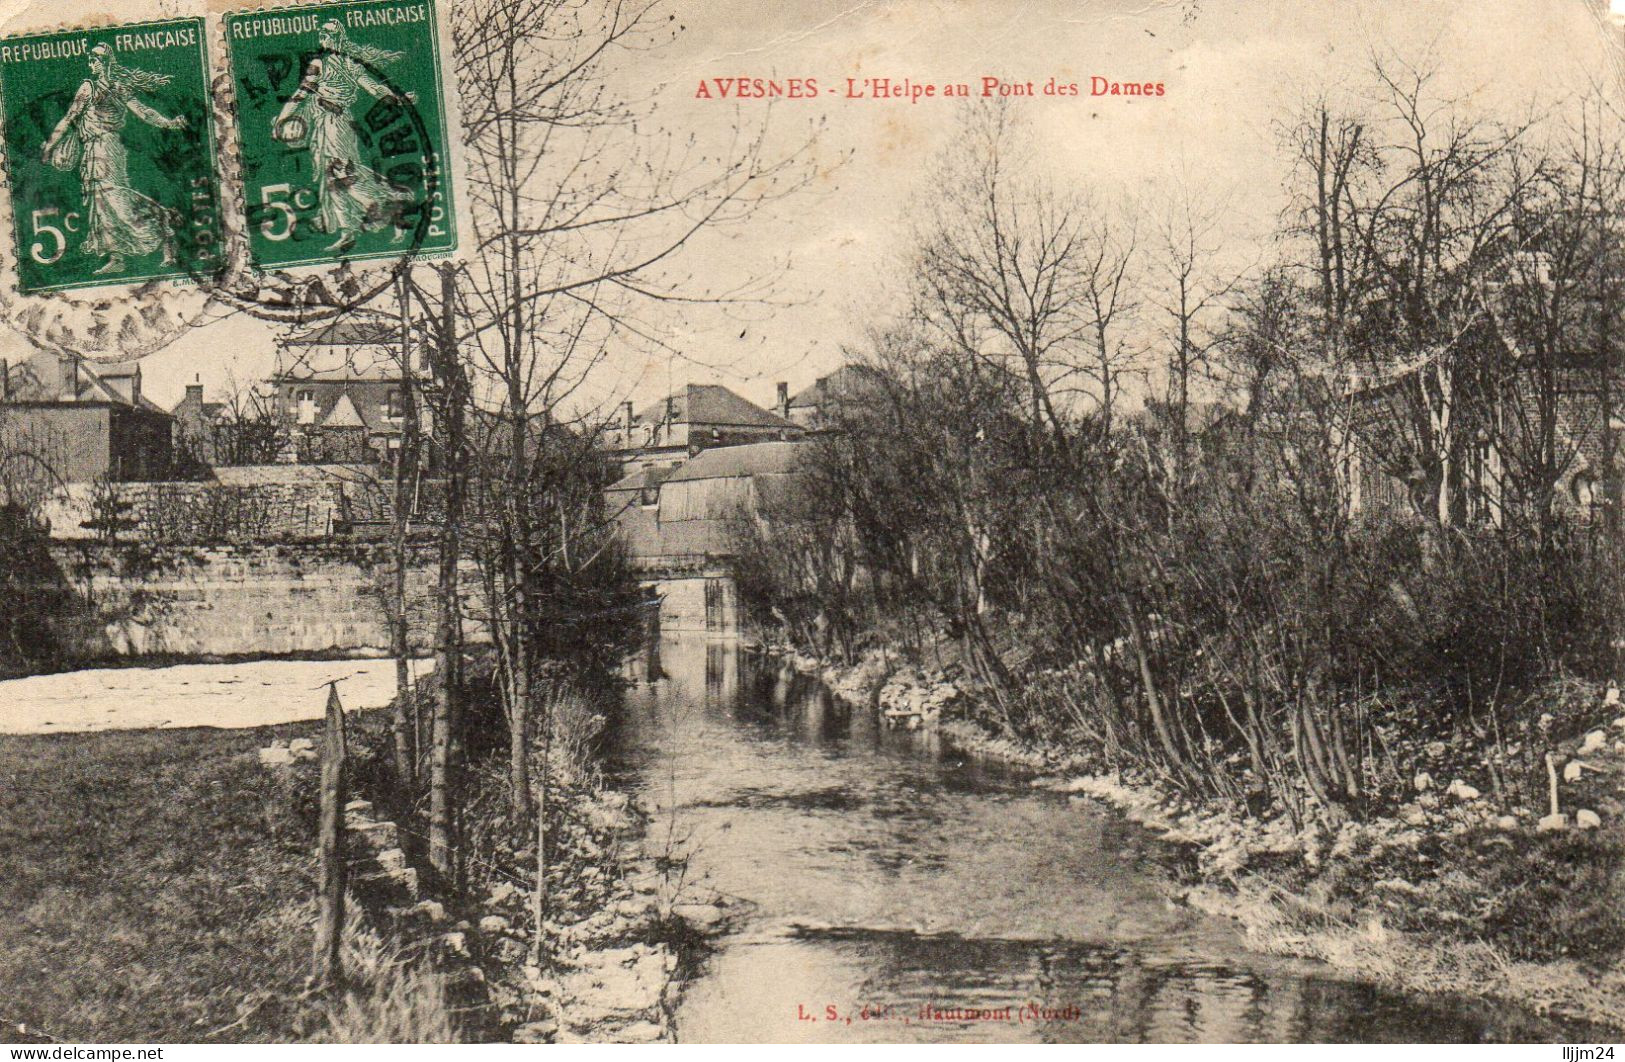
<point>946,896</point>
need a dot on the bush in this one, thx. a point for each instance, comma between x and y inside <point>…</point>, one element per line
<point>32,589</point>
<point>387,1000</point>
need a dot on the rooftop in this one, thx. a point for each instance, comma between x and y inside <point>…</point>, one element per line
<point>38,377</point>
<point>712,405</point>
<point>353,329</point>
<point>648,476</point>
<point>750,459</point>
<point>354,347</point>
<point>849,381</point>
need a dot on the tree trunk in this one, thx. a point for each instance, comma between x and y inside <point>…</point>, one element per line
<point>1153,698</point>
<point>405,710</point>
<point>516,610</point>
<point>448,626</point>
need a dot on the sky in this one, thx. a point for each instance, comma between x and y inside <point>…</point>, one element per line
<point>1230,71</point>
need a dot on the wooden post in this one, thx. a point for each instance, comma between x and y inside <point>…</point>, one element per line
<point>330,901</point>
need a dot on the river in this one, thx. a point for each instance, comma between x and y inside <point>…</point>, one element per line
<point>900,893</point>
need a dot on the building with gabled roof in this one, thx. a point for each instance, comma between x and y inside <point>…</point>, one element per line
<point>87,422</point>
<point>197,426</point>
<point>698,417</point>
<point>340,389</point>
<point>815,405</point>
<point>683,513</point>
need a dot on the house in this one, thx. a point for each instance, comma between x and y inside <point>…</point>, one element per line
<point>1568,420</point>
<point>340,390</point>
<point>818,405</point>
<point>697,418</point>
<point>689,512</point>
<point>87,422</point>
<point>196,425</point>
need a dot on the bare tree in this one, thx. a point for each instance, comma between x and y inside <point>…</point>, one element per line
<point>1010,275</point>
<point>1192,286</point>
<point>1433,223</point>
<point>1109,283</point>
<point>578,229</point>
<point>248,429</point>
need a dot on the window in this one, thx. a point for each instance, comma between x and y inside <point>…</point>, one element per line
<point>395,406</point>
<point>307,406</point>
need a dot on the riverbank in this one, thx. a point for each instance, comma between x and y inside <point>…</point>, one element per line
<point>1447,894</point>
<point>619,910</point>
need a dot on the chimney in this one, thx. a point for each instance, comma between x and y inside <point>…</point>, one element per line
<point>135,386</point>
<point>784,400</point>
<point>626,409</point>
<point>68,366</point>
<point>671,409</point>
<point>194,393</point>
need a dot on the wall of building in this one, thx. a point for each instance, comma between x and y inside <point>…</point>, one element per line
<point>371,398</point>
<point>141,443</point>
<point>207,602</point>
<point>1581,441</point>
<point>71,439</point>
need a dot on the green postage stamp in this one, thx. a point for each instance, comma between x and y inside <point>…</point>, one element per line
<point>343,129</point>
<point>110,155</point>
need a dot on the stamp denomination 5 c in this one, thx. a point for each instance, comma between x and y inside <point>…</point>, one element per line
<point>109,155</point>
<point>342,125</point>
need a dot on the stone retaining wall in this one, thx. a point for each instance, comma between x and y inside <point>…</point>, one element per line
<point>202,512</point>
<point>324,598</point>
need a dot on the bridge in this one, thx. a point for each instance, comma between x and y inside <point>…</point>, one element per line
<point>697,592</point>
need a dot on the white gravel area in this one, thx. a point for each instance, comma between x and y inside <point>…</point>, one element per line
<point>229,696</point>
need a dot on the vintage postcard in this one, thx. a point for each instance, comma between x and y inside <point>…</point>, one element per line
<point>822,522</point>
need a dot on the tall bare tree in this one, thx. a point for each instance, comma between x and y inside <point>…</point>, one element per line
<point>579,231</point>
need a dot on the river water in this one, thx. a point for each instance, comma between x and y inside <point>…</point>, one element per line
<point>897,892</point>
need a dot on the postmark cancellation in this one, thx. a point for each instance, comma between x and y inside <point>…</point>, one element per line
<point>154,168</point>
<point>110,156</point>
<point>344,130</point>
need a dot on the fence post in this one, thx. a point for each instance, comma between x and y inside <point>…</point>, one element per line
<point>330,901</point>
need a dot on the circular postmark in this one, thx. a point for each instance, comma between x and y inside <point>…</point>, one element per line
<point>109,182</point>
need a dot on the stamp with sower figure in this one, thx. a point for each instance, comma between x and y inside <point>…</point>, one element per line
<point>342,126</point>
<point>110,155</point>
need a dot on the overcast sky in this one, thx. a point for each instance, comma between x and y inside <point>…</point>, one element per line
<point>1230,70</point>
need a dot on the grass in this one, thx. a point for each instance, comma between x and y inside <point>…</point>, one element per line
<point>157,886</point>
<point>387,999</point>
